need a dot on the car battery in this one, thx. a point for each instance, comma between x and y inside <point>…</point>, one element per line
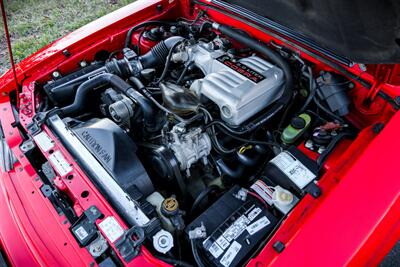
<point>294,171</point>
<point>235,226</point>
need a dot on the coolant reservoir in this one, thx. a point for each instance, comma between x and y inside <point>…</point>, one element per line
<point>282,196</point>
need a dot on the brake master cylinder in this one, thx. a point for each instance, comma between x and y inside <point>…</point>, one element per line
<point>295,129</point>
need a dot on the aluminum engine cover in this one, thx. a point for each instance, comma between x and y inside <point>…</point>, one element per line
<point>240,88</point>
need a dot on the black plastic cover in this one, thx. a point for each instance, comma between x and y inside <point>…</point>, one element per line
<point>84,229</point>
<point>331,89</point>
<point>116,151</point>
<point>274,174</point>
<point>62,91</point>
<point>364,31</point>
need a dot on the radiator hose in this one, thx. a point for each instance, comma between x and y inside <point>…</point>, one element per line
<point>117,83</point>
<point>277,59</point>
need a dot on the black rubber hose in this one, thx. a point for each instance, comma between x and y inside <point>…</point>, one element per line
<point>148,109</point>
<point>201,197</point>
<point>167,62</point>
<point>311,91</point>
<point>235,172</point>
<point>277,59</point>
<point>148,106</point>
<point>128,39</point>
<point>250,161</point>
<point>149,113</point>
<point>85,88</point>
<point>157,56</point>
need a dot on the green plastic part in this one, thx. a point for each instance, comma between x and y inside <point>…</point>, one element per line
<point>290,134</point>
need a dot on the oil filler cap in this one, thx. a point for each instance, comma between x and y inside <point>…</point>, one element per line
<point>170,206</point>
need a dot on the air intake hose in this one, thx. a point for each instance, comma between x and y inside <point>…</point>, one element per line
<point>158,54</point>
<point>62,91</point>
<point>277,59</point>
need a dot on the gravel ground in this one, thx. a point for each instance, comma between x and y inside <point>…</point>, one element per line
<point>36,23</point>
<point>393,257</point>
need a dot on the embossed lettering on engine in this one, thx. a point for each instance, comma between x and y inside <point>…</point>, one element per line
<point>241,68</point>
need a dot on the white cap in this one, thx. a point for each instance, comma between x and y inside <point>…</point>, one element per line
<point>282,196</point>
<point>163,241</point>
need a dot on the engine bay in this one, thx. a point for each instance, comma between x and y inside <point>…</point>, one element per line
<point>201,137</point>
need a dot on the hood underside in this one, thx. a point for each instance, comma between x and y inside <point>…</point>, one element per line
<point>364,31</point>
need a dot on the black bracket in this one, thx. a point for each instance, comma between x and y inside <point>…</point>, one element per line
<point>39,119</point>
<point>84,229</point>
<point>129,244</point>
<point>313,190</point>
<point>59,202</point>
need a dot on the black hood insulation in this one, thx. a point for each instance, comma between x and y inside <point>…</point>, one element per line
<point>363,31</point>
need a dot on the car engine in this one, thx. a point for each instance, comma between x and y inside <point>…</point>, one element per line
<point>240,87</point>
<point>195,137</point>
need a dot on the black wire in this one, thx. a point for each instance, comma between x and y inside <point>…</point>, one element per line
<point>316,115</point>
<point>174,262</point>
<point>218,147</point>
<point>139,40</point>
<point>322,158</point>
<point>196,256</point>
<point>312,90</point>
<point>191,22</point>
<point>128,39</point>
<point>183,73</point>
<point>112,54</point>
<point>233,134</point>
<point>257,142</point>
<point>327,111</point>
<point>167,62</point>
<point>226,127</point>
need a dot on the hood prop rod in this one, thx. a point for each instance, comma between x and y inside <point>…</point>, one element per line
<point>3,12</point>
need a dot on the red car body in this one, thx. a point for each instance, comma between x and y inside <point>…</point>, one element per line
<point>355,222</point>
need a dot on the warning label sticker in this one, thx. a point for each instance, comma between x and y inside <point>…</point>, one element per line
<point>222,242</point>
<point>236,228</point>
<point>230,254</point>
<point>215,250</point>
<point>111,228</point>
<point>44,141</point>
<point>81,233</point>
<point>60,163</point>
<point>253,214</point>
<point>218,244</point>
<point>258,225</point>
